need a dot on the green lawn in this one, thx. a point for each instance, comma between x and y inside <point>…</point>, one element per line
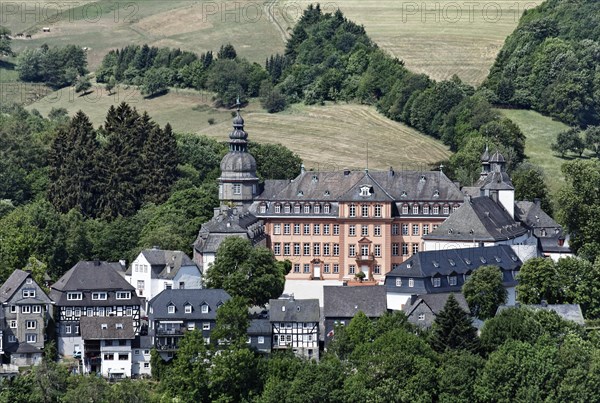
<point>540,132</point>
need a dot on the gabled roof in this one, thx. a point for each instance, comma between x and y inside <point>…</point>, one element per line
<point>570,312</point>
<point>88,276</point>
<point>165,264</point>
<point>294,310</point>
<point>228,222</point>
<point>340,301</point>
<point>106,327</point>
<point>461,260</point>
<point>436,302</point>
<point>479,219</point>
<point>22,348</point>
<point>374,190</point>
<point>260,327</point>
<point>14,283</point>
<point>532,216</point>
<point>182,297</point>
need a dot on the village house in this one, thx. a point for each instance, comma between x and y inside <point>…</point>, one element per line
<point>423,309</point>
<point>295,324</point>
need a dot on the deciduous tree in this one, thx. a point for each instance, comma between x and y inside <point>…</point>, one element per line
<point>484,291</point>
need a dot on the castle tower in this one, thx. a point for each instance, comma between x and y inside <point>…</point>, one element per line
<point>238,183</point>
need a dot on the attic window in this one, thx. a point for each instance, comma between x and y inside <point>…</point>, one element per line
<point>204,308</point>
<point>497,259</point>
<point>409,265</point>
<point>436,193</point>
<point>422,178</point>
<point>171,309</point>
<point>104,326</point>
<point>298,308</point>
<point>315,178</point>
<point>29,280</point>
<point>483,260</point>
<point>283,308</point>
<point>471,232</point>
<point>188,309</point>
<point>450,231</point>
<point>119,326</point>
<point>326,193</point>
<point>452,262</point>
<point>404,194</point>
<point>435,264</point>
<point>468,261</point>
<point>300,193</point>
<point>365,191</point>
<point>514,258</point>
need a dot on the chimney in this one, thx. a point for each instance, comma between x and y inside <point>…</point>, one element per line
<point>346,172</point>
<point>391,172</point>
<point>123,262</point>
<point>302,168</point>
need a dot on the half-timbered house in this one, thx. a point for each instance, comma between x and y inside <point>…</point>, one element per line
<point>295,324</point>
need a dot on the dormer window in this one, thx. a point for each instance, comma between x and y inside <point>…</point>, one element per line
<point>317,208</point>
<point>452,262</point>
<point>326,193</point>
<point>296,209</point>
<point>326,208</point>
<point>468,261</point>
<point>286,208</point>
<point>119,326</point>
<point>263,209</point>
<point>315,178</point>
<point>436,210</point>
<point>422,178</point>
<point>452,280</point>
<point>497,259</point>
<point>123,295</point>
<point>104,326</point>
<point>74,296</point>
<point>435,264</point>
<point>405,209</point>
<point>365,191</point>
<point>425,209</point>
<point>96,296</point>
<point>514,258</point>
<point>300,193</point>
<point>28,293</point>
<point>483,260</point>
<point>436,281</point>
<point>415,209</point>
<point>404,194</point>
<point>171,309</point>
<point>446,210</point>
<point>436,193</point>
<point>278,208</point>
<point>188,309</point>
<point>204,308</point>
<point>307,208</point>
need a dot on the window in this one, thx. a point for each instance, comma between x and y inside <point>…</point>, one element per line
<point>398,282</point>
<point>411,282</point>
<point>296,267</point>
<point>378,210</point>
<point>206,326</point>
<point>296,208</point>
<point>395,228</point>
<point>171,309</point>
<point>263,209</point>
<point>377,250</point>
<point>317,249</point>
<point>336,229</point>
<point>188,309</point>
<point>436,210</point>
<point>119,326</point>
<point>317,208</point>
<point>426,209</point>
<point>277,248</point>
<point>326,249</point>
<point>26,309</point>
<point>237,189</point>
<point>394,249</point>
<point>277,229</point>
<point>123,295</point>
<point>286,209</point>
<point>31,324</point>
<point>31,337</point>
<point>377,230</point>
<point>123,357</point>
<point>28,293</point>
<point>69,312</point>
<point>364,230</point>
<point>352,230</point>
<point>296,249</point>
<point>98,296</point>
<point>404,229</point>
<point>326,208</point>
<point>73,296</point>
<point>364,250</point>
<point>278,208</point>
<point>12,338</point>
<point>129,311</point>
<point>421,316</point>
<point>336,249</point>
<point>415,209</point>
<point>109,357</point>
<point>306,208</point>
<point>425,229</point>
<point>437,281</point>
<point>286,229</point>
<point>377,269</point>
<point>146,365</point>
<point>452,280</point>
<point>325,229</point>
<point>415,230</point>
<point>336,268</point>
<point>454,208</point>
<point>364,210</point>
<point>249,340</point>
<point>404,249</point>
<point>415,248</point>
<point>306,268</point>
<point>29,280</point>
<point>261,340</point>
<point>326,268</point>
<point>204,308</point>
<point>296,229</point>
<point>67,329</point>
<point>351,269</point>
<point>446,210</point>
<point>352,210</point>
<point>317,229</point>
<point>13,309</point>
<point>306,248</point>
<point>351,250</point>
<point>182,285</point>
<point>13,324</point>
<point>405,209</point>
<point>306,229</point>
<point>286,249</point>
<point>140,284</point>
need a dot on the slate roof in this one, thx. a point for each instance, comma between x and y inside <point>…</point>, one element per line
<point>340,301</point>
<point>14,283</point>
<point>294,310</point>
<point>259,327</point>
<point>88,276</point>
<point>533,217</point>
<point>93,327</point>
<point>436,302</point>
<point>22,348</point>
<point>552,245</point>
<point>345,185</point>
<point>495,180</point>
<point>161,261</point>
<point>182,297</point>
<point>230,222</point>
<point>479,219</point>
<point>570,312</point>
<point>460,261</point>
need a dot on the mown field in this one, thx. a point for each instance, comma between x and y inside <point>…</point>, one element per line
<point>326,137</point>
<point>540,132</point>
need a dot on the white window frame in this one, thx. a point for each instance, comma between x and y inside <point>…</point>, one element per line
<point>204,308</point>
<point>188,309</point>
<point>31,324</point>
<point>99,296</point>
<point>237,188</point>
<point>31,337</point>
<point>171,309</point>
<point>74,296</point>
<point>398,282</point>
<point>206,326</point>
<point>26,309</point>
<point>123,294</point>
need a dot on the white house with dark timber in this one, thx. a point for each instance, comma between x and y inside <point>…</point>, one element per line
<point>295,324</point>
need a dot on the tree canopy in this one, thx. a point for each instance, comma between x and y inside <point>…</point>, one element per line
<point>484,291</point>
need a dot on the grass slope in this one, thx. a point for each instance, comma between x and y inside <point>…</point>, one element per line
<point>432,37</point>
<point>325,137</point>
<point>540,131</point>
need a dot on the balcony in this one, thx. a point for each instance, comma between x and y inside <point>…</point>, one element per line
<point>170,331</point>
<point>365,259</point>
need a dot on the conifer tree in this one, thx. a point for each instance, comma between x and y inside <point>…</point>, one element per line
<point>73,174</point>
<point>161,160</point>
<point>453,329</point>
<point>121,163</point>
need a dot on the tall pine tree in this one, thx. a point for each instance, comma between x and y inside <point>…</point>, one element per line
<point>453,329</point>
<point>161,160</point>
<point>73,173</point>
